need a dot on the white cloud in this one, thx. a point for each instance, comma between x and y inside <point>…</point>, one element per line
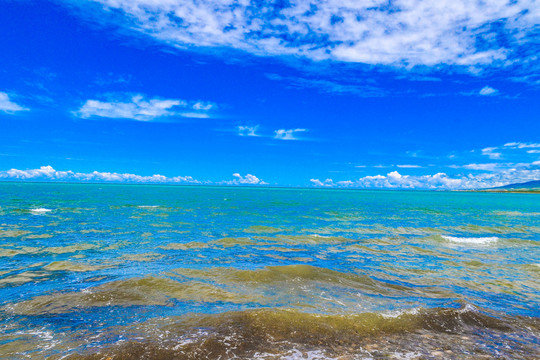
<point>8,106</point>
<point>138,108</point>
<point>394,175</point>
<point>490,151</point>
<point>402,32</point>
<point>247,130</point>
<point>244,180</point>
<point>409,166</point>
<point>49,173</point>
<point>327,182</point>
<point>485,167</point>
<point>440,181</point>
<point>521,145</point>
<point>205,106</point>
<point>487,90</point>
<point>193,115</point>
<point>283,134</point>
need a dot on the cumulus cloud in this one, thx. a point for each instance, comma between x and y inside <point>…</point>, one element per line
<point>8,106</point>
<point>327,182</point>
<point>247,130</point>
<point>244,180</point>
<point>401,32</point>
<point>138,108</point>
<point>50,174</point>
<point>439,181</point>
<point>283,134</point>
<point>487,90</point>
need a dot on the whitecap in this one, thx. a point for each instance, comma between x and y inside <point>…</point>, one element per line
<point>471,240</point>
<point>295,354</point>
<point>39,211</point>
<point>148,206</point>
<point>392,314</point>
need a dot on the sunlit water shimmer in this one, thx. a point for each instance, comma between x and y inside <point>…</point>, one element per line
<point>170,272</point>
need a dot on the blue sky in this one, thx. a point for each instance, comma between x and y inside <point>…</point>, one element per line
<point>400,94</point>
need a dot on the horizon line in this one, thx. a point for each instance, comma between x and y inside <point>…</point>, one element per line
<point>229,186</point>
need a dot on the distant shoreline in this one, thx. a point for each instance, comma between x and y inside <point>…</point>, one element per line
<point>512,191</point>
<point>247,186</point>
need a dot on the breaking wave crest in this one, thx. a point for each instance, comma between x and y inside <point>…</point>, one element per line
<point>471,240</point>
<point>287,334</point>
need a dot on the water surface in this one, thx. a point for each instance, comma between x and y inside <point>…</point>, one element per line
<point>134,271</point>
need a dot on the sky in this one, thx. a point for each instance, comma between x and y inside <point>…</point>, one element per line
<point>325,93</point>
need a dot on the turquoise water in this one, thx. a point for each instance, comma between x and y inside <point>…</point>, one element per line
<point>134,271</point>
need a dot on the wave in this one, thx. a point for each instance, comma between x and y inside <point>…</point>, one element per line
<point>39,211</point>
<point>286,334</point>
<point>148,291</point>
<point>471,240</point>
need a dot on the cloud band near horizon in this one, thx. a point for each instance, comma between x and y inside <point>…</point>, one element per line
<point>48,173</point>
<point>392,180</point>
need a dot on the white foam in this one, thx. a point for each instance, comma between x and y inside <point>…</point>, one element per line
<point>39,211</point>
<point>392,314</point>
<point>468,308</point>
<point>406,355</point>
<point>148,206</point>
<point>295,354</point>
<point>471,240</point>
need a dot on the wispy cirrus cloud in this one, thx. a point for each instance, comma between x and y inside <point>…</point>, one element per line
<point>8,106</point>
<point>409,166</point>
<point>488,91</point>
<point>403,32</point>
<point>491,152</point>
<point>137,107</point>
<point>247,130</point>
<point>484,167</point>
<point>521,145</point>
<point>485,91</point>
<point>283,134</point>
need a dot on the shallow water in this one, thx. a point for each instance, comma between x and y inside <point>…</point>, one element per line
<point>171,272</point>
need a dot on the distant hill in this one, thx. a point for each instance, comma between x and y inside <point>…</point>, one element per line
<point>529,185</point>
<point>526,185</point>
